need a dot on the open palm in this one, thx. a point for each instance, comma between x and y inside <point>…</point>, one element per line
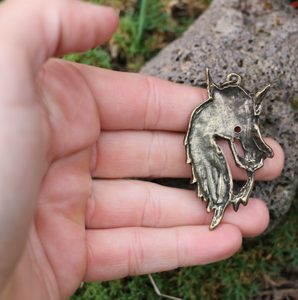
<point>75,135</point>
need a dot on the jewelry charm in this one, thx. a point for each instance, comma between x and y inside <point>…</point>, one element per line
<point>230,113</point>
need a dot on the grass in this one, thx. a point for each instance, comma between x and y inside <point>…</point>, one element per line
<point>146,26</point>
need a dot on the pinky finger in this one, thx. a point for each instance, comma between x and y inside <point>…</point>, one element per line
<point>117,253</point>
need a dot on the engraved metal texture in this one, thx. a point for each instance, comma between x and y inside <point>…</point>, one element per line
<point>230,113</point>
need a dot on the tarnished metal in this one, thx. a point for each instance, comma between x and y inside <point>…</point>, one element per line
<point>230,113</point>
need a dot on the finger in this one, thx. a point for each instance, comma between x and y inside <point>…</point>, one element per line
<point>117,253</point>
<point>140,102</point>
<point>271,169</point>
<point>55,27</point>
<point>75,116</point>
<point>128,203</point>
<point>160,154</point>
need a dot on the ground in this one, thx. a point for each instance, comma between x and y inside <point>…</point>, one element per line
<point>266,267</point>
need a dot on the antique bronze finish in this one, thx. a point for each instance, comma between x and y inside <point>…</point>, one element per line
<point>230,113</point>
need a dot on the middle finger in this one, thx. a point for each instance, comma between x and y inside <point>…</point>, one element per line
<point>126,154</point>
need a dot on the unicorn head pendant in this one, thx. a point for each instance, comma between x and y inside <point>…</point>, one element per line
<point>230,113</point>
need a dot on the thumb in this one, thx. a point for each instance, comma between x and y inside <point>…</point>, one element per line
<point>43,29</point>
<point>32,31</point>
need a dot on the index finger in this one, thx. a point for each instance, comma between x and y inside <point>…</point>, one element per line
<point>129,101</point>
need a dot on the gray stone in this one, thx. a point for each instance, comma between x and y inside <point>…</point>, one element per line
<point>258,40</point>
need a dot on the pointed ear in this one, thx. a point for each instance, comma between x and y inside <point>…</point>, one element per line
<point>258,98</point>
<point>209,83</point>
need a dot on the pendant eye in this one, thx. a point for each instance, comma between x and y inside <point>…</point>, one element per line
<point>237,129</point>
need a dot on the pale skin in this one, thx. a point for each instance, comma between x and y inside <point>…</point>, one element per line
<point>65,124</point>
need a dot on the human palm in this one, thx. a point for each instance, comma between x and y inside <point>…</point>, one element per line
<point>75,135</point>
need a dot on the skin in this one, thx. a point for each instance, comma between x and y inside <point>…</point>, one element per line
<point>62,126</point>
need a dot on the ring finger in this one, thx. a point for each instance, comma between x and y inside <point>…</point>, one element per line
<point>133,203</point>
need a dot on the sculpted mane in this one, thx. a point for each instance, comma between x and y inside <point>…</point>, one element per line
<point>229,113</point>
<point>210,171</point>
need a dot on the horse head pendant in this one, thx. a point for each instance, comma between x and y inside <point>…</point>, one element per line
<point>231,113</point>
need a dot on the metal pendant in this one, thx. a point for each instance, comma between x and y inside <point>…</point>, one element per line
<point>230,113</point>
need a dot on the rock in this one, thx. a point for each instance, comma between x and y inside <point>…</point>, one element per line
<point>258,40</point>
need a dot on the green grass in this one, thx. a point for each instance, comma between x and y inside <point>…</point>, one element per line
<point>146,26</point>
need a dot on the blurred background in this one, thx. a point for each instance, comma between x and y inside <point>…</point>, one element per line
<point>266,267</point>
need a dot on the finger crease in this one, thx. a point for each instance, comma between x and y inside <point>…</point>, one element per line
<point>157,156</point>
<point>178,248</point>
<point>90,255</point>
<point>90,209</point>
<point>153,105</point>
<point>151,215</point>
<point>147,201</point>
<point>136,254</point>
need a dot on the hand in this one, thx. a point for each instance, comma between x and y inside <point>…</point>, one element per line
<point>64,124</point>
